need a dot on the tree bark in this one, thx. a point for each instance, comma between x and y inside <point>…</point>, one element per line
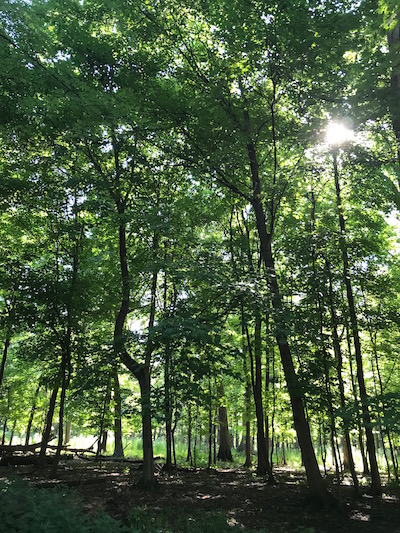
<point>148,478</point>
<point>316,483</point>
<point>31,416</point>
<point>168,408</point>
<point>394,43</point>
<point>339,365</point>
<point>140,371</point>
<point>49,421</point>
<point>263,465</point>
<point>375,477</point>
<point>118,446</point>
<point>248,461</point>
<point>189,457</point>
<point>4,358</point>
<point>225,449</point>
<point>64,384</point>
<point>3,436</point>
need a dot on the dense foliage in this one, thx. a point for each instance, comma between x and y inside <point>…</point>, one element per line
<point>181,246</point>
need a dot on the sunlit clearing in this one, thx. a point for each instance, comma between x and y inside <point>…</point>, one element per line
<point>337,133</point>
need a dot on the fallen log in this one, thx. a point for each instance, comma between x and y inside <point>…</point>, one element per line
<point>22,460</point>
<point>8,448</point>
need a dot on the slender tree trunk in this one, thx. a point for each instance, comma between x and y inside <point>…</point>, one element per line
<point>103,433</point>
<point>140,371</point>
<point>4,358</point>
<point>271,453</point>
<point>393,42</point>
<point>263,465</point>
<point>267,381</point>
<point>195,436</point>
<point>375,477</point>
<point>31,416</point>
<point>225,450</point>
<point>64,381</point>
<point>189,457</point>
<point>356,402</point>
<point>215,441</point>
<point>12,432</point>
<point>168,409</point>
<point>148,479</point>
<point>173,445</point>
<point>3,436</point>
<point>49,421</point>
<point>118,445</point>
<point>210,424</point>
<point>67,432</point>
<point>384,431</point>
<point>339,366</point>
<point>247,462</point>
<point>322,446</point>
<point>316,483</point>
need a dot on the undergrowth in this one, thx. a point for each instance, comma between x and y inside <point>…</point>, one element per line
<point>27,509</point>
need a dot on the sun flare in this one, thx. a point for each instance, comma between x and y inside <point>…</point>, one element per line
<point>338,133</point>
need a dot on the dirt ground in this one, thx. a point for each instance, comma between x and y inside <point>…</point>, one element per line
<point>244,498</point>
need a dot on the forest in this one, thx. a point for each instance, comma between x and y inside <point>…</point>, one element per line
<point>199,265</point>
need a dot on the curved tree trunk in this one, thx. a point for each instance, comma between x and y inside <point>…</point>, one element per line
<point>140,371</point>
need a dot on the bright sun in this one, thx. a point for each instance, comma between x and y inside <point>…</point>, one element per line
<point>337,133</point>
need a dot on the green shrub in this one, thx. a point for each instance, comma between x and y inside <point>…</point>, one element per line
<point>25,509</point>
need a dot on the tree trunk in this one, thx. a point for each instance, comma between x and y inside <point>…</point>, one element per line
<point>118,446</point>
<point>316,483</point>
<point>4,358</point>
<point>31,416</point>
<point>210,425</point>
<point>49,422</point>
<point>67,432</point>
<point>148,478</point>
<point>348,454</point>
<point>64,384</point>
<point>12,432</point>
<point>167,408</point>
<point>263,465</point>
<point>224,451</point>
<point>385,430</point>
<point>140,371</point>
<point>314,478</point>
<point>356,402</point>
<point>375,477</point>
<point>189,457</point>
<point>247,462</point>
<point>3,436</point>
<point>103,433</point>
<point>393,42</point>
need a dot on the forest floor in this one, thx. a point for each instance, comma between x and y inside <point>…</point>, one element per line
<point>244,499</point>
